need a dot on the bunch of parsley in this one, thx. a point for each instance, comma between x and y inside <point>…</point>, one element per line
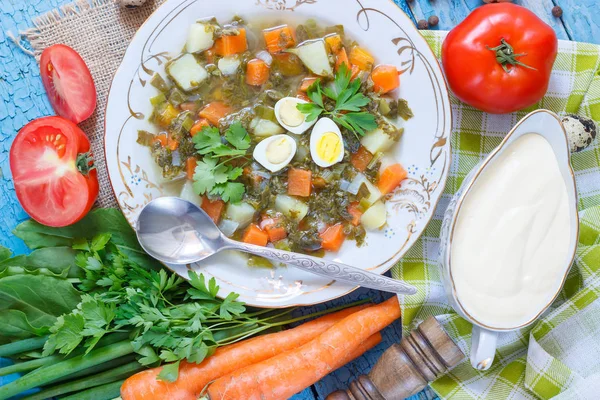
<point>348,103</point>
<point>167,317</point>
<point>214,175</point>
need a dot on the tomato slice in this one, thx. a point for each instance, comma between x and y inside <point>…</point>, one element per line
<point>52,171</point>
<point>68,83</point>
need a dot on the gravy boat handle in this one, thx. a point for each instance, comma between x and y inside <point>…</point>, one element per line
<point>483,347</point>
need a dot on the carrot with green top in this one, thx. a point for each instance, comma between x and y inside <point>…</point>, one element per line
<point>333,237</point>
<point>286,374</point>
<point>257,72</point>
<point>390,178</point>
<point>299,182</point>
<point>231,44</point>
<point>213,112</point>
<point>279,38</point>
<point>193,377</point>
<point>385,78</point>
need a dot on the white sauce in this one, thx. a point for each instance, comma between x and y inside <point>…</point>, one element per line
<point>512,236</point>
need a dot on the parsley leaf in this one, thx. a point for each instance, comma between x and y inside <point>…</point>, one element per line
<point>238,137</point>
<point>213,175</point>
<point>346,94</point>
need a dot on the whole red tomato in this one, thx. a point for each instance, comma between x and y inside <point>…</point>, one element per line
<point>499,58</point>
<point>53,173</point>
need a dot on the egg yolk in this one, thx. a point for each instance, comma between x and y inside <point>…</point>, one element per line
<point>289,114</point>
<point>329,147</point>
<point>278,151</point>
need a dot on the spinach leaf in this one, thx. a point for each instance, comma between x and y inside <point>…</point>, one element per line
<point>4,253</point>
<point>15,325</point>
<point>34,301</point>
<point>99,221</point>
<point>52,261</point>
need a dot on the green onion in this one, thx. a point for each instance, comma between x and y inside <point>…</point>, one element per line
<point>158,82</point>
<point>22,346</point>
<point>30,365</point>
<point>47,374</point>
<point>104,392</point>
<point>124,371</point>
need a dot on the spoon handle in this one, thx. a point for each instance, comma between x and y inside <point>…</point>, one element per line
<point>328,268</point>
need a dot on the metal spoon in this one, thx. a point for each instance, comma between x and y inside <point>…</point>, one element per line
<point>176,231</point>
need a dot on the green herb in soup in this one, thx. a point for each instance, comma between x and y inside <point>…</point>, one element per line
<point>282,133</point>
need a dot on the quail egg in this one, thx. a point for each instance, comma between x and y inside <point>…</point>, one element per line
<point>275,152</point>
<point>326,143</point>
<point>290,117</point>
<point>581,131</point>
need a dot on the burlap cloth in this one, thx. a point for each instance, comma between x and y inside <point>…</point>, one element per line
<point>100,30</point>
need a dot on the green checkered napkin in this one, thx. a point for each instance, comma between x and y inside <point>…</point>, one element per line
<point>560,353</point>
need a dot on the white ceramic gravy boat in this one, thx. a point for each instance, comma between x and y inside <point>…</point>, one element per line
<point>547,124</point>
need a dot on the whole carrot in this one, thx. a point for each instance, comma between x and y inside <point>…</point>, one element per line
<point>284,375</point>
<point>193,377</point>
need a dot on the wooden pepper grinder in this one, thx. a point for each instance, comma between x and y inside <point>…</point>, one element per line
<point>406,368</point>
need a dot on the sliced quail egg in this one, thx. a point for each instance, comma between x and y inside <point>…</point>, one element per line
<point>326,143</point>
<point>290,117</point>
<point>275,152</point>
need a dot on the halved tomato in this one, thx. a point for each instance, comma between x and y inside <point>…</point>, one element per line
<point>68,83</point>
<point>53,172</point>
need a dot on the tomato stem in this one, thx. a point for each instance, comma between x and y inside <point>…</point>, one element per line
<point>505,55</point>
<point>85,163</point>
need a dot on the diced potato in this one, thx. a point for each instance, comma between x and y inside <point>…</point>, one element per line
<point>313,54</point>
<point>242,213</point>
<point>377,141</point>
<point>263,127</point>
<point>186,72</point>
<point>229,65</point>
<point>375,216</point>
<point>291,207</point>
<point>188,193</point>
<point>200,37</point>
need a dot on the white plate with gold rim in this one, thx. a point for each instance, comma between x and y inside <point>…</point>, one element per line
<point>378,25</point>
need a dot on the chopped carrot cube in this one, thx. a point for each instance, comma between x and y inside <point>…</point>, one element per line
<point>334,42</point>
<point>333,237</point>
<point>190,167</point>
<point>257,72</point>
<point>274,228</point>
<point>341,57</point>
<point>361,159</point>
<point>361,58</point>
<point>255,235</point>
<point>306,83</point>
<point>391,178</point>
<point>231,44</point>
<point>355,212</point>
<point>198,126</point>
<point>279,38</point>
<point>214,209</point>
<point>318,182</point>
<point>214,111</point>
<point>385,78</point>
<point>299,182</point>
<point>162,139</point>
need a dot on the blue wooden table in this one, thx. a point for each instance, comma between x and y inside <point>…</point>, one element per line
<point>22,98</point>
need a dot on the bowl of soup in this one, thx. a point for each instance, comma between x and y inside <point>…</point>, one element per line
<point>301,126</point>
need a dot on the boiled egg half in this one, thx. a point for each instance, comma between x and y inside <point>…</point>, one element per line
<point>326,143</point>
<point>290,117</point>
<point>275,152</point>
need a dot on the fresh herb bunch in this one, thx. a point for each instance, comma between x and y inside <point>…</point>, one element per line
<point>213,174</point>
<point>348,103</point>
<point>169,319</point>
